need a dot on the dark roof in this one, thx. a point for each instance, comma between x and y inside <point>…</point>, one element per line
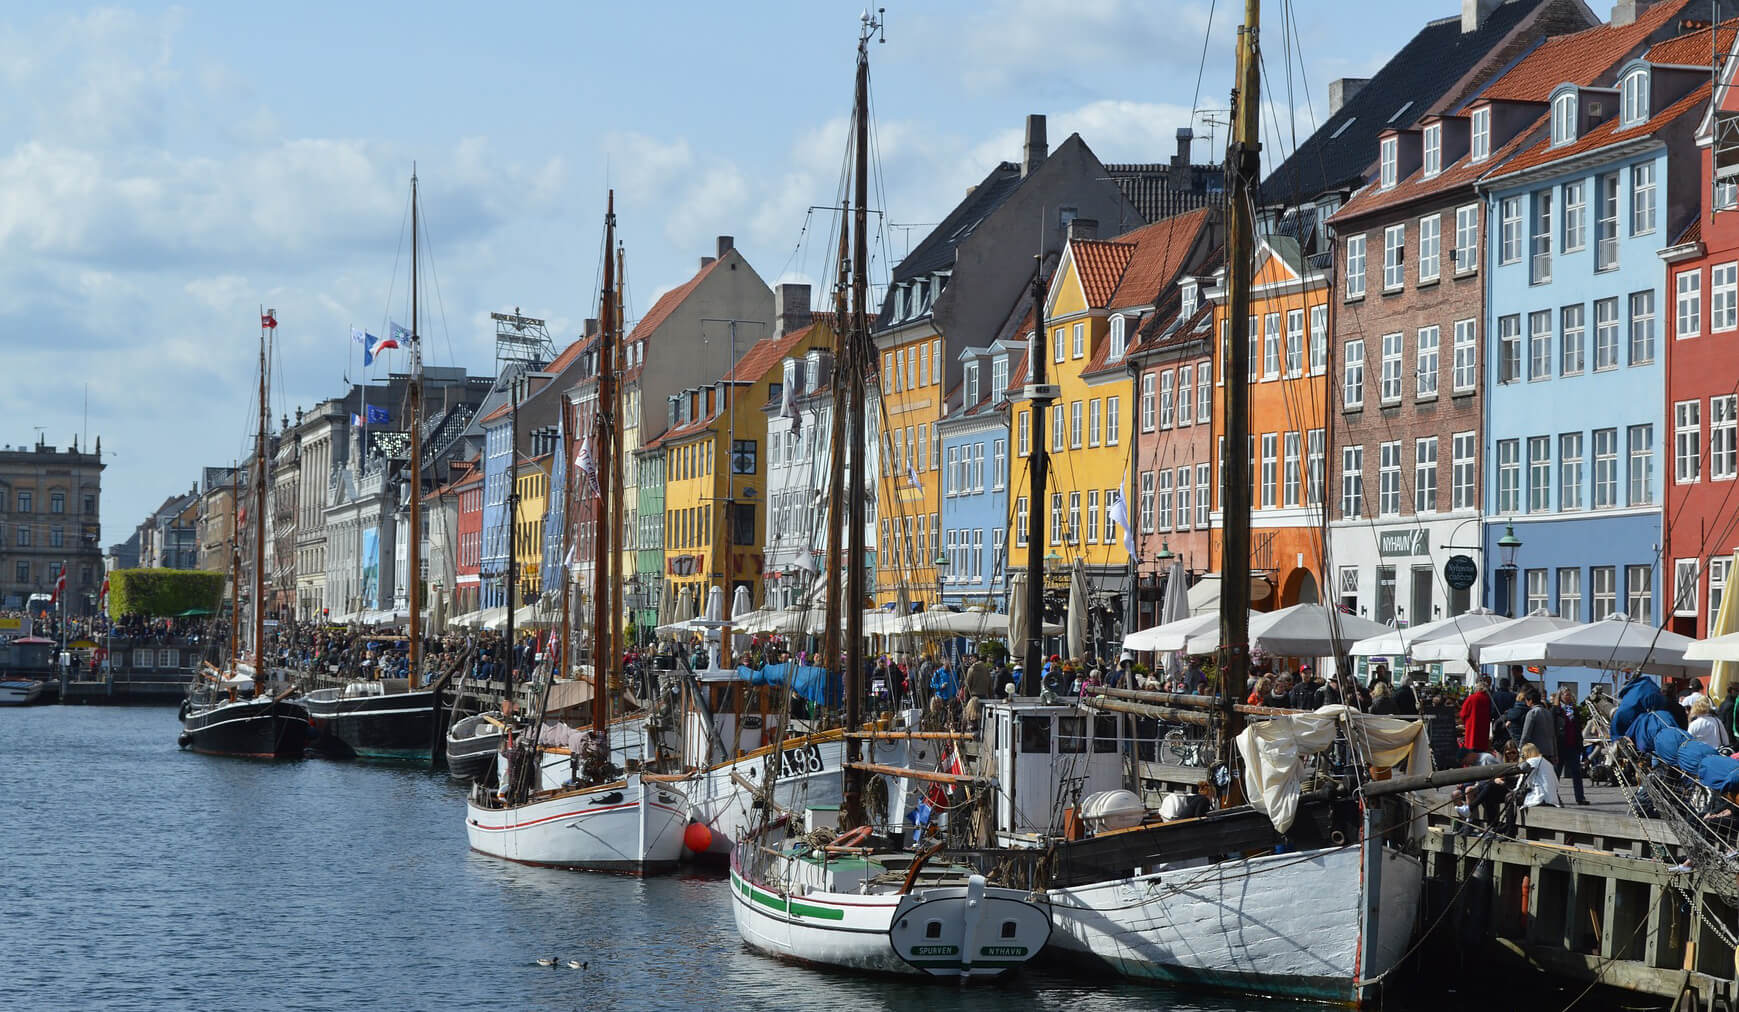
<point>936,251</point>
<point>1344,146</point>
<point>1156,194</point>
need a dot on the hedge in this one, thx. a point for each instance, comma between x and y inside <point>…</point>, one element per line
<point>163,593</point>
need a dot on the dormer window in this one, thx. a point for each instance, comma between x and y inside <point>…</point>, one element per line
<point>1563,118</point>
<point>1187,303</point>
<point>1119,338</point>
<point>1433,150</point>
<point>970,387</point>
<point>1390,153</point>
<point>1634,98</point>
<point>906,301</point>
<point>1480,142</point>
<point>999,378</point>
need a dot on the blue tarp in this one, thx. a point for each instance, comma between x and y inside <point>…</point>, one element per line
<point>1641,717</point>
<point>815,684</point>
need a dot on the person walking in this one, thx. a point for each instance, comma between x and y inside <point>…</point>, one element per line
<point>1706,727</point>
<point>1539,726</point>
<point>1570,741</point>
<point>1475,717</point>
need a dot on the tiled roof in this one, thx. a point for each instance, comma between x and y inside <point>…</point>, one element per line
<point>936,251</point>
<point>1579,58</point>
<point>765,354</point>
<point>1692,233</point>
<point>1692,48</point>
<point>668,302</point>
<point>1604,135</point>
<point>1099,264</point>
<point>1157,193</point>
<point>679,432</point>
<point>1409,85</point>
<point>1161,252</point>
<point>1462,173</point>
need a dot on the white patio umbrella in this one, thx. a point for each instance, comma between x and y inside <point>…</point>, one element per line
<point>1470,647</point>
<point>1303,630</point>
<point>1077,620</point>
<point>1715,648</point>
<point>1396,642</point>
<point>1171,636</point>
<point>1613,642</point>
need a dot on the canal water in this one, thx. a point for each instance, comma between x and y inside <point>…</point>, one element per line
<point>141,876</point>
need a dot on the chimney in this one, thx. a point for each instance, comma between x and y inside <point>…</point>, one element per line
<point>1083,228</point>
<point>1341,91</point>
<point>726,244</point>
<point>1181,160</point>
<point>706,262</point>
<point>791,310</point>
<point>591,325</point>
<point>1475,12</point>
<point>1036,147</point>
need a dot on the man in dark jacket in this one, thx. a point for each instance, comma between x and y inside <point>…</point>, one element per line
<point>1516,716</point>
<point>1539,726</point>
<point>1406,696</point>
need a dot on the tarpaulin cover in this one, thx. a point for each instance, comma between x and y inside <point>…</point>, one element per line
<point>1273,752</point>
<point>1655,733</point>
<point>815,684</point>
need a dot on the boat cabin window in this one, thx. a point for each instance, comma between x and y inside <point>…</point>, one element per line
<point>1147,738</point>
<point>933,929</point>
<point>1071,735</point>
<point>1105,733</point>
<point>1035,735</point>
<point>1008,929</point>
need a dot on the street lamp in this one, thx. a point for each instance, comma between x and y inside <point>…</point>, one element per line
<point>1506,547</point>
<point>941,564</point>
<point>1165,552</point>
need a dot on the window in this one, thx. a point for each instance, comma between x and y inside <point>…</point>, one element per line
<point>1165,499</point>
<point>1605,468</point>
<point>1633,97</point>
<point>1480,131</point>
<point>1093,420</point>
<point>1574,320</point>
<point>1466,238</point>
<point>1563,118</point>
<point>1689,302</point>
<point>1433,150</point>
<point>1726,195</point>
<point>1291,476</point>
<point>24,501</point>
<point>1023,436</point>
<point>1509,474</point>
<point>1687,442</point>
<point>1186,301</point>
<point>1020,521</point>
<point>1642,194</point>
<point>1510,231</point>
<point>1113,420</point>
<point>1540,240</point>
<point>1539,474</point>
<point>1270,347</point>
<point>1425,475</point>
<point>1430,247</point>
<point>1540,345</point>
<point>1059,351</point>
<point>1605,334</point>
<point>1575,215</point>
<point>1466,364</point>
<point>1118,341</point>
<point>57,502</point>
<point>1185,395</point>
<point>22,573</point>
<point>998,379</point>
<point>1183,499</point>
<point>1295,343</point>
<point>1639,450</point>
<point>1314,453</point>
<point>1570,593</point>
<point>1166,399</point>
<point>23,535</point>
<point>1147,502</point>
<point>1722,461</point>
<point>1387,157</point>
<point>1535,581</point>
<point>1079,346</point>
<point>1394,249</point>
<point>1147,402</point>
<point>1318,340</point>
<point>1389,479</point>
<point>1059,434</point>
<point>1352,481</point>
<point>1075,425</point>
<point>1606,222</point>
<point>1355,267</point>
<point>1685,581</point>
<point>1353,386</point>
<point>1093,516</point>
<point>1570,471</point>
<point>1639,594</point>
<point>1509,349</point>
<point>1391,379</point>
<point>1204,505</point>
<point>1270,446</point>
<point>1074,517</point>
<point>999,471</point>
<point>1056,518</point>
<point>1461,471</point>
<point>1642,327</point>
<point>1723,298</point>
<point>1718,570</point>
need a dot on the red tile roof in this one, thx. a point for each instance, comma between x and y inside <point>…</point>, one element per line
<point>1605,134</point>
<point>767,352</point>
<point>1417,187</point>
<point>1692,48</point>
<point>1099,264</point>
<point>1161,251</point>
<point>1692,233</point>
<point>1579,58</point>
<point>668,302</point>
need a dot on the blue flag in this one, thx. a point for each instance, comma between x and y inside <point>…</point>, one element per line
<point>378,415</point>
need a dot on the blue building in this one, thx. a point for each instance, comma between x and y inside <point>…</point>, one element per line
<point>975,476</point>
<point>1575,437</point>
<point>555,518</point>
<point>497,455</point>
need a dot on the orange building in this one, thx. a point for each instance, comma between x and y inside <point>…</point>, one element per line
<point>1288,379</point>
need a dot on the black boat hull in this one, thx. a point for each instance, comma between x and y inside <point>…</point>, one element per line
<point>260,728</point>
<point>393,726</point>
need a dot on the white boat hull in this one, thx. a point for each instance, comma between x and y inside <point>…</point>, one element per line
<point>1292,925</point>
<point>891,933</point>
<point>632,827</point>
<point>21,693</point>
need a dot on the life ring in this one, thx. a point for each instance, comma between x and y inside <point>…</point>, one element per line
<point>849,839</point>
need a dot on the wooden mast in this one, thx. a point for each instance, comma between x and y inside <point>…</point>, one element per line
<point>617,411</point>
<point>259,519</point>
<point>603,421</point>
<point>1243,161</point>
<point>857,342</point>
<point>415,576</point>
<point>235,566</point>
<point>836,455</point>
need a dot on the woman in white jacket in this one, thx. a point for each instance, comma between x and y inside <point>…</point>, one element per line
<point>1706,727</point>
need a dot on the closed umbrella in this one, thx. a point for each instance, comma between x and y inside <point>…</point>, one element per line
<point>740,604</point>
<point>1077,621</point>
<point>1175,608</point>
<point>1017,627</point>
<point>1613,642</point>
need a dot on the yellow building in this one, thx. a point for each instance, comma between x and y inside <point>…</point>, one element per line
<point>909,497</point>
<point>533,488</point>
<point>715,471</point>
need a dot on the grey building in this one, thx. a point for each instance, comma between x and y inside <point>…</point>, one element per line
<point>49,515</point>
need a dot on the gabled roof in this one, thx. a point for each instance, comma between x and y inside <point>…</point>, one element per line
<point>1692,48</point>
<point>770,351</point>
<point>1462,172</point>
<point>668,302</point>
<point>1605,135</point>
<point>1579,58</point>
<point>1161,252</point>
<point>1161,190</point>
<point>936,251</point>
<point>1406,88</point>
<point>1099,264</point>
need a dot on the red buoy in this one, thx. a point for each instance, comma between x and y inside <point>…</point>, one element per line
<point>697,837</point>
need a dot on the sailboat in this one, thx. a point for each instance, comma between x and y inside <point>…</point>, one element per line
<point>856,903</point>
<point>391,718</point>
<point>229,712</point>
<point>600,819</point>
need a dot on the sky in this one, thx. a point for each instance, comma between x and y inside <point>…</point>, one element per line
<point>165,171</point>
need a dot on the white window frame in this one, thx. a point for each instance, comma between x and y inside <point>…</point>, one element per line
<point>1355,266</point>
<point>1425,474</point>
<point>1643,192</point>
<point>1539,461</point>
<point>1292,471</point>
<point>1431,150</point>
<point>1510,240</point>
<point>1430,247</point>
<point>1573,339</point>
<point>1563,118</point>
<point>1465,375</point>
<point>1724,297</point>
<point>1575,228</point>
<point>1352,482</point>
<point>1463,477</point>
<point>1167,399</point>
<point>1294,343</point>
<point>1270,346</point>
<point>1394,258</point>
<point>1687,442</point>
<point>1318,340</point>
<point>1148,402</point>
<point>1688,303</point>
<point>1353,375</point>
<point>1508,498</point>
<point>1390,391</point>
<point>1389,478</point>
<point>1186,394</point>
<point>1723,437</point>
<point>1633,97</point>
<point>1466,239</point>
<point>1426,366</point>
<point>1479,130</point>
<point>1539,345</point>
<point>1388,157</point>
<point>1572,471</point>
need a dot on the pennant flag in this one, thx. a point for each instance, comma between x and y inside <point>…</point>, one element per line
<point>588,466</point>
<point>378,415</point>
<point>103,595</point>
<point>395,334</point>
<point>359,336</point>
<point>269,319</point>
<point>59,585</point>
<point>1120,517</point>
<point>788,409</point>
